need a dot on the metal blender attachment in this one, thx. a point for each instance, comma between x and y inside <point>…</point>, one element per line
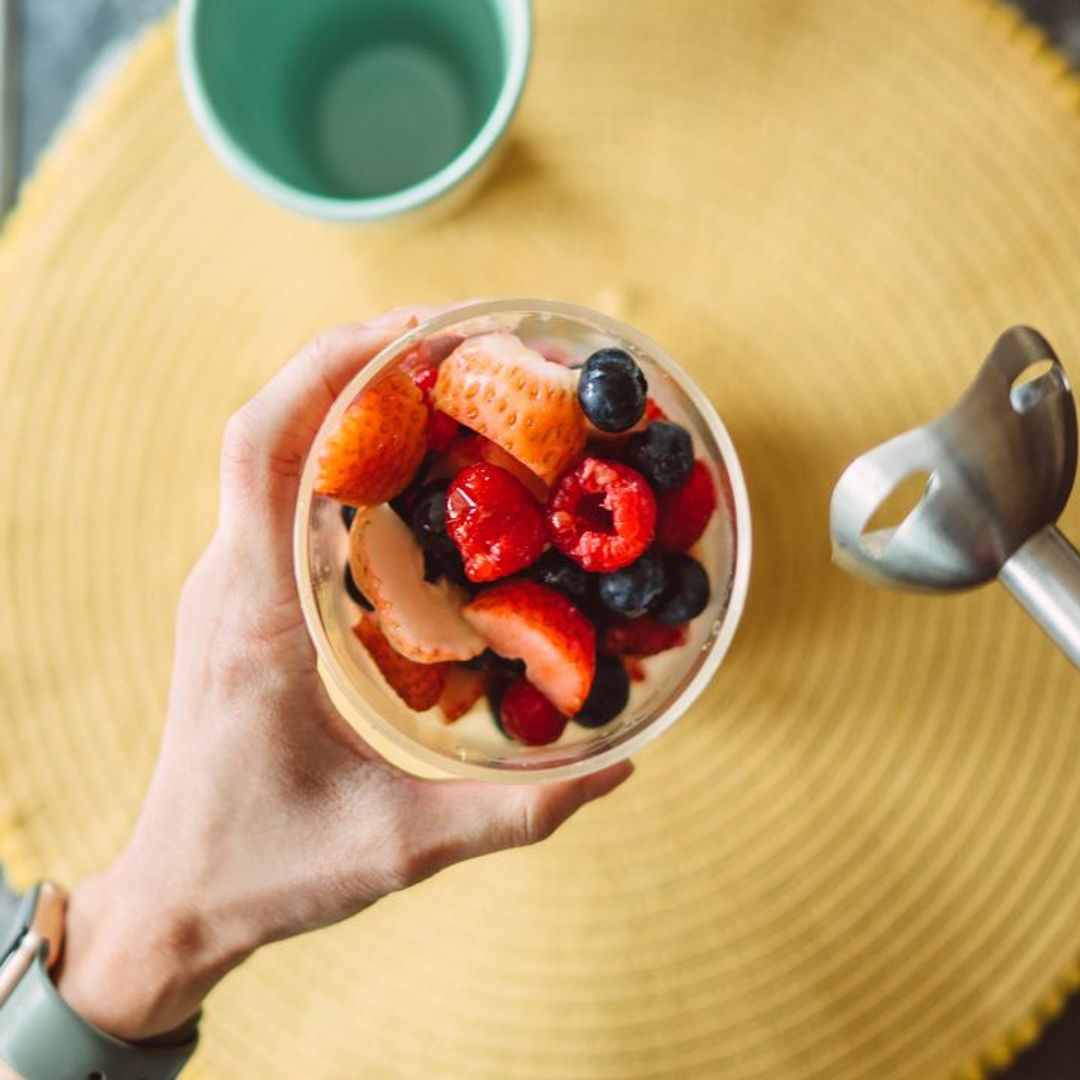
<point>995,473</point>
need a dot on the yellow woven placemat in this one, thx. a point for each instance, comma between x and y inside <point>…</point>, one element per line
<point>859,856</point>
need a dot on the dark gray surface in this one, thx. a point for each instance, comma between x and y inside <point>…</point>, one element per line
<point>64,42</point>
<point>61,45</point>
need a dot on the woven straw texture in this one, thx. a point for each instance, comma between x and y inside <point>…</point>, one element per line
<point>858,856</point>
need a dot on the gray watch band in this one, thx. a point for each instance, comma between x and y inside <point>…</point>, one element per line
<point>43,1038</point>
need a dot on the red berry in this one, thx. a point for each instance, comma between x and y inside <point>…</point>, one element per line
<point>497,525</point>
<point>500,388</point>
<point>643,636</point>
<point>603,515</point>
<point>528,716</point>
<point>442,429</point>
<point>685,511</point>
<point>378,445</point>
<point>521,619</point>
<point>652,412</point>
<point>419,685</point>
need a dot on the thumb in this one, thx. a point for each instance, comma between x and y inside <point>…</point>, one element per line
<point>463,819</point>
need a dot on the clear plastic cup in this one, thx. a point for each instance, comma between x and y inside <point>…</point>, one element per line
<point>473,746</point>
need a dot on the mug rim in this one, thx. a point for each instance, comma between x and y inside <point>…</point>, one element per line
<point>518,24</point>
<point>332,670</point>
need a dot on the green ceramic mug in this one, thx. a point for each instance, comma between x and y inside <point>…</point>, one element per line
<point>354,110</point>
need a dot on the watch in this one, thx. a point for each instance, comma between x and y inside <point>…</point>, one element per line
<point>41,1036</point>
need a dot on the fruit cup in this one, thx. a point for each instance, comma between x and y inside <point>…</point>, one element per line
<point>457,361</point>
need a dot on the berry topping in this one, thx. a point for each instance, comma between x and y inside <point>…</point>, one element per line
<point>418,685</point>
<point>355,595</point>
<point>464,688</point>
<point>473,448</point>
<point>497,525</point>
<point>421,620</point>
<point>663,453</point>
<point>685,511</point>
<point>612,390</point>
<point>442,429</point>
<point>635,588</point>
<point>686,593</point>
<point>506,391</point>
<point>602,515</point>
<point>609,695</point>
<point>528,716</point>
<point>439,565</point>
<point>520,619</point>
<point>378,445</point>
<point>428,518</point>
<point>642,637</point>
<point>558,572</point>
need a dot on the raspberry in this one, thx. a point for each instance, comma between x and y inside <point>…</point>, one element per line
<point>528,716</point>
<point>641,637</point>
<point>442,429</point>
<point>685,511</point>
<point>497,525</point>
<point>602,515</point>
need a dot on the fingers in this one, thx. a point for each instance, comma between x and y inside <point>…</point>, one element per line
<point>267,440</point>
<point>463,819</point>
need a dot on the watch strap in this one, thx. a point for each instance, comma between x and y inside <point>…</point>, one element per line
<point>43,1038</point>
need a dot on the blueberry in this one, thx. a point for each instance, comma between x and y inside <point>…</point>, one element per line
<point>347,515</point>
<point>499,666</point>
<point>428,519</point>
<point>354,590</point>
<point>446,564</point>
<point>609,694</point>
<point>494,700</point>
<point>687,591</point>
<point>612,390</point>
<point>556,571</point>
<point>635,588</point>
<point>663,453</point>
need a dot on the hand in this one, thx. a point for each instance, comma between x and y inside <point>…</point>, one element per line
<point>267,815</point>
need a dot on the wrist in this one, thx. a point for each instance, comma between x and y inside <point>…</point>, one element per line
<point>134,964</point>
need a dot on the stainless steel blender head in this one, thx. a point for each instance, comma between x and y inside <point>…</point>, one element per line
<point>999,466</point>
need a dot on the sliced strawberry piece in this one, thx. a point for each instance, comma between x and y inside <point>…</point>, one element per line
<point>635,669</point>
<point>497,525</point>
<point>506,391</point>
<point>418,685</point>
<point>602,515</point>
<point>470,449</point>
<point>464,688</point>
<point>526,621</point>
<point>378,445</point>
<point>684,511</point>
<point>528,716</point>
<point>422,621</point>
<point>643,636</point>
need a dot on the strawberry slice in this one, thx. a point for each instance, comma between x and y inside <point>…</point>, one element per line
<point>421,620</point>
<point>473,448</point>
<point>420,686</point>
<point>378,445</point>
<point>508,392</point>
<point>464,688</point>
<point>526,621</point>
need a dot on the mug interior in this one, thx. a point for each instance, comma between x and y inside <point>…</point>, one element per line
<point>351,99</point>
